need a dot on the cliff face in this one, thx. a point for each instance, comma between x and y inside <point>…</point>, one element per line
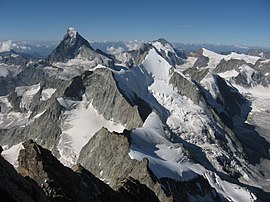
<point>14,187</point>
<point>59,183</point>
<point>106,97</point>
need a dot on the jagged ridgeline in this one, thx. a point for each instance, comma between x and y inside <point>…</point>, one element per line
<point>152,123</point>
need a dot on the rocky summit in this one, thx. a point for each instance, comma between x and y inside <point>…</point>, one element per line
<point>146,121</point>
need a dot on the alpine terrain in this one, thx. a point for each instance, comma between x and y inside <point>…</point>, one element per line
<point>153,123</point>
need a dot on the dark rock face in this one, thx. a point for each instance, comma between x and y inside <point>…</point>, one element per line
<point>260,53</point>
<point>132,190</point>
<point>263,67</point>
<point>107,99</point>
<point>13,58</point>
<point>98,58</point>
<point>106,155</point>
<point>14,187</point>
<point>46,129</point>
<point>61,183</point>
<point>229,98</point>
<point>256,78</point>
<point>185,87</point>
<point>73,46</point>
<point>137,56</point>
<point>202,61</point>
<point>232,64</point>
<point>196,74</point>
<point>68,48</point>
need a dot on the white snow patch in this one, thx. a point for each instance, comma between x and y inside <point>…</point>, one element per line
<point>9,118</point>
<point>79,123</point>
<point>209,83</point>
<point>228,74</point>
<point>11,154</point>
<point>247,58</point>
<point>258,95</point>
<point>215,58</point>
<point>135,45</point>
<point>151,142</point>
<point>157,66</point>
<point>72,32</point>
<point>248,71</point>
<point>188,63</point>
<point>230,191</point>
<point>47,93</point>
<point>72,68</point>
<point>5,46</point>
<point>165,47</point>
<point>8,70</point>
<point>112,50</point>
<point>27,93</point>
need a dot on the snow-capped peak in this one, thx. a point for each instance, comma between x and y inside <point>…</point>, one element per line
<point>162,44</point>
<point>72,32</point>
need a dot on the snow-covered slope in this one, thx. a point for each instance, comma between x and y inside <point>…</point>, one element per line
<point>215,58</point>
<point>79,122</point>
<point>187,120</point>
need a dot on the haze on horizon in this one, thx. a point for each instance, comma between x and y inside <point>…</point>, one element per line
<point>210,21</point>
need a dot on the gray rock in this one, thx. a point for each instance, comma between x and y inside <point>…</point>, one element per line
<point>201,61</point>
<point>102,90</point>
<point>77,47</point>
<point>13,58</point>
<point>137,56</point>
<point>195,73</point>
<point>232,64</point>
<point>256,79</point>
<point>14,187</point>
<point>89,54</point>
<point>68,48</point>
<point>185,87</point>
<point>61,183</point>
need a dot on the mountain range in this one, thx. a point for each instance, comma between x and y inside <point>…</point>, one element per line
<point>148,123</point>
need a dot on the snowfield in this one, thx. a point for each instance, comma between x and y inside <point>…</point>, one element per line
<point>79,123</point>
<point>11,154</point>
<point>215,58</point>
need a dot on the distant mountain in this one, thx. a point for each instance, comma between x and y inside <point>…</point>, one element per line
<point>74,46</point>
<point>69,47</point>
<point>220,48</point>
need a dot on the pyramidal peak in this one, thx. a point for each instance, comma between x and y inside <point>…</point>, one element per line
<point>72,32</point>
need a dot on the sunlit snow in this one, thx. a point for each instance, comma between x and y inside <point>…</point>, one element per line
<point>79,123</point>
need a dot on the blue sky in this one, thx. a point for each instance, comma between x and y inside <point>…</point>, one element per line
<point>242,22</point>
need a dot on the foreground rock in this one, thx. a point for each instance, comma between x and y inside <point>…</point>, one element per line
<point>61,183</point>
<point>14,187</point>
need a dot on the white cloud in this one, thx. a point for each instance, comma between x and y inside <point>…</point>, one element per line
<point>5,46</point>
<point>20,47</point>
<point>113,50</point>
<point>134,45</point>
